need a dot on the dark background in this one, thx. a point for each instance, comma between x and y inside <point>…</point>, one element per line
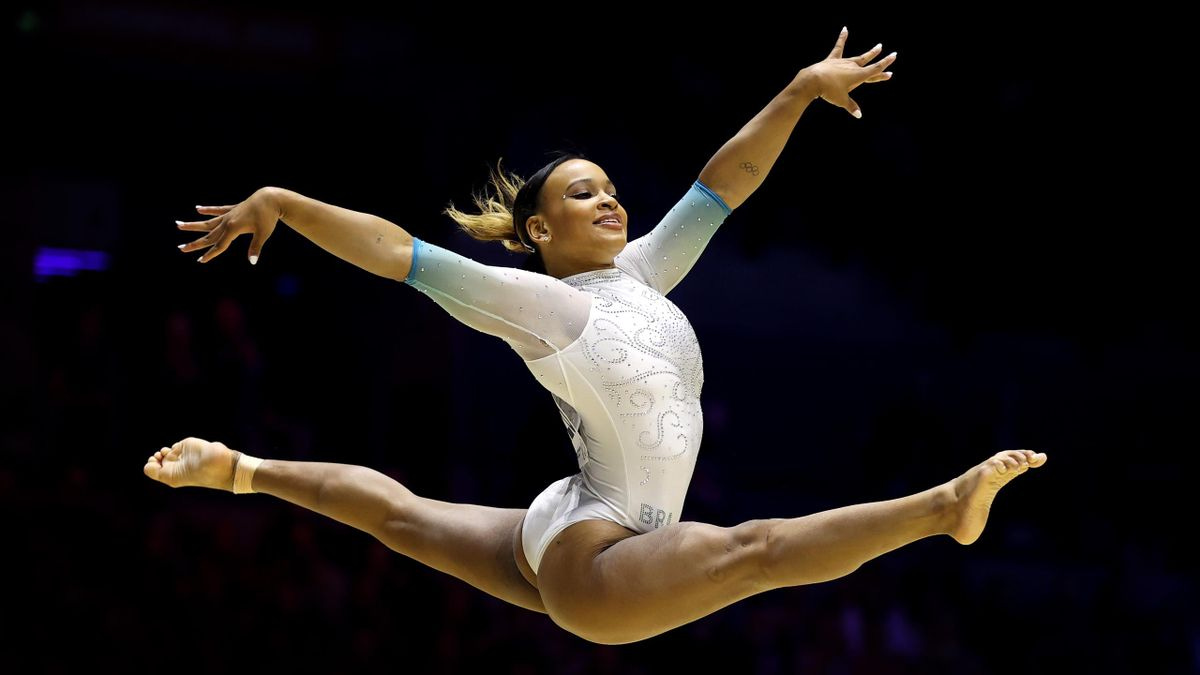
<point>985,261</point>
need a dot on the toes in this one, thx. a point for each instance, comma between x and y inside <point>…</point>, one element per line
<point>1016,459</point>
<point>1006,461</point>
<point>1029,458</point>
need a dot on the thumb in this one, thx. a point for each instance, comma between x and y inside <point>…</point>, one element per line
<point>852,108</point>
<point>256,248</point>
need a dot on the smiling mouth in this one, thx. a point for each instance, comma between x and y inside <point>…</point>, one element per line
<point>610,223</point>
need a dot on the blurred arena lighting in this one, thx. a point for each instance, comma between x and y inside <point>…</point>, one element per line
<point>66,262</point>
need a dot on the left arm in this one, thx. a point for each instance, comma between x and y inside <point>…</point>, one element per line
<point>742,164</point>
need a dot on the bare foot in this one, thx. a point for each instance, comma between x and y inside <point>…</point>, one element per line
<point>975,489</point>
<point>194,461</point>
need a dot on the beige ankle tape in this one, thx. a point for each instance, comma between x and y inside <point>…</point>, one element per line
<point>243,474</point>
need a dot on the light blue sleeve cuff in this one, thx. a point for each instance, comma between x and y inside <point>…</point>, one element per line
<point>412,270</point>
<point>713,196</point>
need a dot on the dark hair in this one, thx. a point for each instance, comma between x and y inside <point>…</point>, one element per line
<point>526,202</point>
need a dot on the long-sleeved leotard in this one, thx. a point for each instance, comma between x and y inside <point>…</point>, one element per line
<point>620,360</point>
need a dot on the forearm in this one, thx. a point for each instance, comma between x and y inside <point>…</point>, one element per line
<point>355,495</point>
<point>742,164</point>
<point>361,239</point>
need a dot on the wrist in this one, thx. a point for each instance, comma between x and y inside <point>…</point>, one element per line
<point>278,198</point>
<point>805,86</point>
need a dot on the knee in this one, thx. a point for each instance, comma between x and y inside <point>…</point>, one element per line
<point>731,555</point>
<point>748,549</point>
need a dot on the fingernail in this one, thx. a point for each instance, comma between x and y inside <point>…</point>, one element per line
<point>179,222</point>
<point>201,258</point>
<point>879,46</point>
<point>888,73</point>
<point>843,29</point>
<point>857,113</point>
<point>182,245</point>
<point>199,207</point>
<point>253,260</point>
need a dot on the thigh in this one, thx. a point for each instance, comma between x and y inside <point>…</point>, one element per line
<point>604,583</point>
<point>473,543</point>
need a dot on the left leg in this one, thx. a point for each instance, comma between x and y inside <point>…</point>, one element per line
<point>605,585</point>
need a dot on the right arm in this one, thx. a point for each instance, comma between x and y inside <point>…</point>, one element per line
<point>535,314</point>
<point>361,239</point>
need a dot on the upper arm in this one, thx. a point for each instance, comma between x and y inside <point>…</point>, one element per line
<point>664,255</point>
<point>535,314</point>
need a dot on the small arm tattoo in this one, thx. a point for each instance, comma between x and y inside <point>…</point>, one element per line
<point>750,168</point>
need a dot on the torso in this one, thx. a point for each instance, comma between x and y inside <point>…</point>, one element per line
<point>629,390</point>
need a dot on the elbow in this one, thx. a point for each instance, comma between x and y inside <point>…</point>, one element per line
<point>733,201</point>
<point>404,259</point>
<point>732,197</point>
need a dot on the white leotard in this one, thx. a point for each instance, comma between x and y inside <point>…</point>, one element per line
<point>619,359</point>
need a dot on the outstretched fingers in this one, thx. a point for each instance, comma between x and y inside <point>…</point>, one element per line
<point>222,242</point>
<point>215,229</point>
<point>865,58</point>
<point>877,72</point>
<point>199,225</point>
<point>839,44</point>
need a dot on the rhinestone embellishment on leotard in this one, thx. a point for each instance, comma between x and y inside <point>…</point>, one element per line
<point>649,360</point>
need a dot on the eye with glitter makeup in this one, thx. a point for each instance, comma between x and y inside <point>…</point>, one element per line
<point>585,195</point>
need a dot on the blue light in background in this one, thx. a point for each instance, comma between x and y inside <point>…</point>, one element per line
<point>66,262</point>
<point>287,286</point>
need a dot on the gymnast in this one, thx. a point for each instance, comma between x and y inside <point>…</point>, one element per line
<point>604,552</point>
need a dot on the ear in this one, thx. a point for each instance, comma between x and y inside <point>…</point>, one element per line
<point>537,228</point>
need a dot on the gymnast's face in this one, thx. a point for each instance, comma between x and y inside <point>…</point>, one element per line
<point>574,228</point>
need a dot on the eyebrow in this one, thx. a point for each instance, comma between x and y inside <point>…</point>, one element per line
<point>586,180</point>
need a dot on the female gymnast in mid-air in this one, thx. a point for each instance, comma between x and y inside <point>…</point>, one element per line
<point>603,552</point>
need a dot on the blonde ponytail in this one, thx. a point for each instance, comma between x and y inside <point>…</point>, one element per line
<point>494,222</point>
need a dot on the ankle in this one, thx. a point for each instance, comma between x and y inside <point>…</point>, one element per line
<point>244,467</point>
<point>944,507</point>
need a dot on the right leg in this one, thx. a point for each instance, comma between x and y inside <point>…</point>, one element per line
<point>470,542</point>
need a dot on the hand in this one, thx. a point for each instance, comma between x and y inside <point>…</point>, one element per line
<point>834,78</point>
<point>257,216</point>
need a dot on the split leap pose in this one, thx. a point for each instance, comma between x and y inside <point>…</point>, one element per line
<point>603,552</point>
